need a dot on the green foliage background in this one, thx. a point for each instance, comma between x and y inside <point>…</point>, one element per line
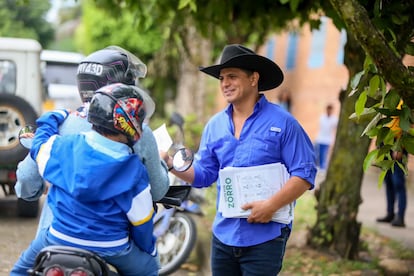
<point>26,19</point>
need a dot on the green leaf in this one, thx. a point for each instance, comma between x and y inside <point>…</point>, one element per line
<point>382,133</point>
<point>402,167</point>
<point>369,159</point>
<point>384,152</point>
<point>367,63</point>
<point>392,99</point>
<point>381,178</point>
<point>353,91</point>
<point>411,131</point>
<point>373,132</point>
<point>374,83</point>
<point>408,143</point>
<point>389,138</point>
<point>397,19</point>
<point>355,80</point>
<point>405,123</point>
<point>367,115</point>
<point>294,5</point>
<point>360,103</point>
<point>183,3</point>
<point>409,48</point>
<point>371,125</point>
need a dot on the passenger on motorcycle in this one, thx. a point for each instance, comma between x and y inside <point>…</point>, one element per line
<point>99,190</point>
<point>106,66</point>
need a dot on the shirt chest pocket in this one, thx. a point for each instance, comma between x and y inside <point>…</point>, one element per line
<point>262,149</point>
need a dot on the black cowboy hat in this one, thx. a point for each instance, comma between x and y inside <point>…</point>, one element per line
<point>238,56</point>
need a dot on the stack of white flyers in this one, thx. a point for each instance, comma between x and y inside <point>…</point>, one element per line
<point>242,185</point>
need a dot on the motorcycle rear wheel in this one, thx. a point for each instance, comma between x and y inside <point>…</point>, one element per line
<point>176,244</point>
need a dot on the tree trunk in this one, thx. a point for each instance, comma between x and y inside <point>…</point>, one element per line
<point>339,195</point>
<point>191,88</point>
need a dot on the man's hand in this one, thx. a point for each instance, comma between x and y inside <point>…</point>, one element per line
<point>167,159</point>
<point>261,211</point>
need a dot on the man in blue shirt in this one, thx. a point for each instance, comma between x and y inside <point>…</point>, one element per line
<point>251,132</point>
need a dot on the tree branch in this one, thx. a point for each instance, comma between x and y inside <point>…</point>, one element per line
<point>373,42</point>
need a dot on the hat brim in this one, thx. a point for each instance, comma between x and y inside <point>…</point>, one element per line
<point>271,76</point>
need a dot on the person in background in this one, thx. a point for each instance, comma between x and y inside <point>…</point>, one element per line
<point>395,182</point>
<point>102,204</point>
<point>327,127</point>
<point>109,65</point>
<point>395,191</point>
<point>285,99</point>
<point>250,132</point>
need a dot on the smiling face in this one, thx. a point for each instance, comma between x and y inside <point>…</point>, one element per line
<point>238,85</point>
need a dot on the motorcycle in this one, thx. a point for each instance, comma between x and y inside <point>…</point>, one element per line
<point>176,234</point>
<point>174,229</point>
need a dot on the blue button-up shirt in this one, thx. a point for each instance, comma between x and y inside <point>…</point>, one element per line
<point>269,135</point>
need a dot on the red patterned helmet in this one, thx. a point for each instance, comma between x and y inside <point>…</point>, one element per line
<point>119,108</point>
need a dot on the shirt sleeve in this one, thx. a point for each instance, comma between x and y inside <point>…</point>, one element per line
<point>206,165</point>
<point>298,153</point>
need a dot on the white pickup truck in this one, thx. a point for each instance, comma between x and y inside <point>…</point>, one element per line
<point>32,80</point>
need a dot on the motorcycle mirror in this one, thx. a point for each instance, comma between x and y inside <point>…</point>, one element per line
<point>177,119</point>
<point>26,135</point>
<point>183,159</point>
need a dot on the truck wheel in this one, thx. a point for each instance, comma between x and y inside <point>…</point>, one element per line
<point>15,113</point>
<point>27,209</point>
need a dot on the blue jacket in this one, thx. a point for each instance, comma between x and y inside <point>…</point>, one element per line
<point>30,185</point>
<point>99,192</point>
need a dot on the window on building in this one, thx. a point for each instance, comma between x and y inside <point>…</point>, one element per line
<point>340,57</point>
<point>270,48</point>
<point>292,50</point>
<point>316,58</point>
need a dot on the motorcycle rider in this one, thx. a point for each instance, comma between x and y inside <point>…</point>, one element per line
<point>109,65</point>
<point>110,215</point>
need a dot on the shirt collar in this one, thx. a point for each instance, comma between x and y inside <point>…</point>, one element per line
<point>259,104</point>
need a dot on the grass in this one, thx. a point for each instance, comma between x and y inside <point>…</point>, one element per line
<point>308,261</point>
<point>302,260</point>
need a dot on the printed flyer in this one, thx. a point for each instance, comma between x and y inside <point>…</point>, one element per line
<point>247,184</point>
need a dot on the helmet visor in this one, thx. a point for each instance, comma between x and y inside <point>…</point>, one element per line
<point>135,65</point>
<point>149,104</point>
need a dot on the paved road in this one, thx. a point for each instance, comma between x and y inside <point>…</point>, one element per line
<point>374,206</point>
<point>15,234</point>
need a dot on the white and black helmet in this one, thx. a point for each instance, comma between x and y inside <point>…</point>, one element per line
<point>112,64</point>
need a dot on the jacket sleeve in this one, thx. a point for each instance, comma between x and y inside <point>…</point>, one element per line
<point>140,215</point>
<point>144,239</point>
<point>47,128</point>
<point>157,170</point>
<point>29,185</point>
